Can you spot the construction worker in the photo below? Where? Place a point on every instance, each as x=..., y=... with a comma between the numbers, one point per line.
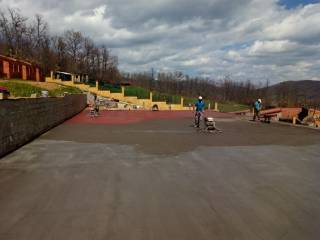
x=96, y=104
x=200, y=105
x=256, y=109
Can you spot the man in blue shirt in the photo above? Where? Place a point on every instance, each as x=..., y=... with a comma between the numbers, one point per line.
x=200, y=105
x=257, y=109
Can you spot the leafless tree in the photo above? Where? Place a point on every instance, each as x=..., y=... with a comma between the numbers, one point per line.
x=74, y=45
x=13, y=29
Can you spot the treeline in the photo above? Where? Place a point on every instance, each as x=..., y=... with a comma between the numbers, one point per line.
x=72, y=51
x=295, y=94
x=285, y=94
x=176, y=83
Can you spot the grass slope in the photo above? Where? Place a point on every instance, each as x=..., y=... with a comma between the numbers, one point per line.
x=19, y=88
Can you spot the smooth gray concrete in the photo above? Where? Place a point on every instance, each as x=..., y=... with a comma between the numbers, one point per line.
x=163, y=180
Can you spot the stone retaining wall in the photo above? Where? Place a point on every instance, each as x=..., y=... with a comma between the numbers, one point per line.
x=21, y=120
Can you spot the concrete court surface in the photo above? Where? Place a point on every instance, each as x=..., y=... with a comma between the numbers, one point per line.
x=155, y=177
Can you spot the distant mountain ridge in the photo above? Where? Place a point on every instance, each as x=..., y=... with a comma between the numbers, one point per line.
x=307, y=91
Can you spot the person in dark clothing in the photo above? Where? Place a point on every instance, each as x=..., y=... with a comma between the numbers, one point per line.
x=96, y=104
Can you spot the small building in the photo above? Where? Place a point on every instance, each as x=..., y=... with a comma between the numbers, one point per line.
x=65, y=76
x=15, y=68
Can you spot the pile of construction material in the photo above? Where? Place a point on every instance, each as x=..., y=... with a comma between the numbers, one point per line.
x=310, y=117
x=303, y=116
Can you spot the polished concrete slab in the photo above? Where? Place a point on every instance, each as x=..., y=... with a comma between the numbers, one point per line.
x=163, y=179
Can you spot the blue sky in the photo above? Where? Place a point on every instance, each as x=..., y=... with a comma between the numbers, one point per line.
x=294, y=3
x=243, y=39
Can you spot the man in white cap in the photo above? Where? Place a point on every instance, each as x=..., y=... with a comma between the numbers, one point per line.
x=200, y=105
x=257, y=109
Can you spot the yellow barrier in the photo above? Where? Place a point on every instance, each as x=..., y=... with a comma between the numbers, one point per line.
x=144, y=103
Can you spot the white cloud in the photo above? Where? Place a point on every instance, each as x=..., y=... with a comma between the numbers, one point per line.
x=247, y=39
x=272, y=47
x=301, y=24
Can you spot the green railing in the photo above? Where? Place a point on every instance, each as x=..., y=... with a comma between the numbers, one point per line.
x=91, y=83
x=138, y=92
x=113, y=88
x=170, y=99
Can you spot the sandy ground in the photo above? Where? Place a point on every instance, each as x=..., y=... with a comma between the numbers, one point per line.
x=163, y=179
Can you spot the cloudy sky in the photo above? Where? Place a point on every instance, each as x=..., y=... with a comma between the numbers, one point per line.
x=245, y=39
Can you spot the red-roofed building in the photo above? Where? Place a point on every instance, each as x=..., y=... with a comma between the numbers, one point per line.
x=16, y=68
